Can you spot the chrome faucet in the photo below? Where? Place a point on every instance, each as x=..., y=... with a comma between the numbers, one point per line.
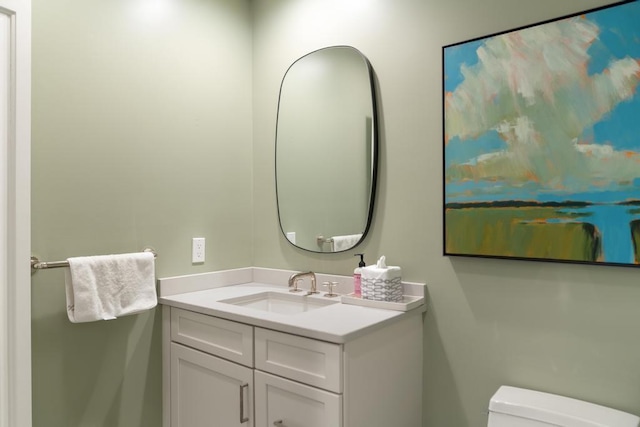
x=296, y=276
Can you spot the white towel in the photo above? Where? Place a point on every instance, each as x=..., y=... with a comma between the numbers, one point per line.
x=342, y=243
x=109, y=286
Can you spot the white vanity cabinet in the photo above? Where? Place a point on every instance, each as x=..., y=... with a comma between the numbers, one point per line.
x=223, y=374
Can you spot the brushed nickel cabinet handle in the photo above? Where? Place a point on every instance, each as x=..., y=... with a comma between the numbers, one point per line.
x=243, y=419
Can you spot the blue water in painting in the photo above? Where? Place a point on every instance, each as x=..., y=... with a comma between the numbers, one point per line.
x=613, y=222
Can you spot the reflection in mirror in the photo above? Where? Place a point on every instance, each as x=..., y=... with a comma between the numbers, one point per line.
x=326, y=150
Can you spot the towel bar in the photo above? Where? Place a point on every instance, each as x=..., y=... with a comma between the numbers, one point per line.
x=36, y=264
x=321, y=240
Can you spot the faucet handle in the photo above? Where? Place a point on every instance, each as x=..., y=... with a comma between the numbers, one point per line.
x=295, y=286
x=330, y=285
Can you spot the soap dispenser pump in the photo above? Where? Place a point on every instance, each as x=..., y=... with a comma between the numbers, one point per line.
x=357, y=276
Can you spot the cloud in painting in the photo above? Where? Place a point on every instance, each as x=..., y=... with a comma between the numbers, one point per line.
x=532, y=87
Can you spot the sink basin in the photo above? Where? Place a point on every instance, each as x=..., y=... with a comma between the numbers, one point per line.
x=278, y=302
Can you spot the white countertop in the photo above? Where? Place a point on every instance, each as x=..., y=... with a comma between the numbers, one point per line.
x=337, y=323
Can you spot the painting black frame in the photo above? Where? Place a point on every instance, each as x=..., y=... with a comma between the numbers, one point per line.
x=570, y=204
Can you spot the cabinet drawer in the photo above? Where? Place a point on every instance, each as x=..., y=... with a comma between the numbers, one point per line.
x=308, y=361
x=229, y=340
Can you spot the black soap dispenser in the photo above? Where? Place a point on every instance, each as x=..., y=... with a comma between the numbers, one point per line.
x=357, y=277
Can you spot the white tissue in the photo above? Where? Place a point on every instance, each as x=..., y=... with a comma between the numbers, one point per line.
x=381, y=271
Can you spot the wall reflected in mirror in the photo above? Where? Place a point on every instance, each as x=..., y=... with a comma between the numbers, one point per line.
x=326, y=150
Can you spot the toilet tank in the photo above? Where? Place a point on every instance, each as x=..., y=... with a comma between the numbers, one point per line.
x=517, y=407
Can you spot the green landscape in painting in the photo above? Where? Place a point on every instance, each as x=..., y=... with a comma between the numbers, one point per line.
x=520, y=232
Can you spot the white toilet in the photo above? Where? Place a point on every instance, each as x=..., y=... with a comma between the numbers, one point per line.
x=517, y=407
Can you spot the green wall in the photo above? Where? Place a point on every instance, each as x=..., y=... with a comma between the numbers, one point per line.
x=567, y=329
x=141, y=137
x=153, y=132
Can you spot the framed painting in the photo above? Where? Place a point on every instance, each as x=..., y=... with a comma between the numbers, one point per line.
x=542, y=140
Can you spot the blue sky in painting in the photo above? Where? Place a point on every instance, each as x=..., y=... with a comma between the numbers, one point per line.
x=619, y=37
x=454, y=58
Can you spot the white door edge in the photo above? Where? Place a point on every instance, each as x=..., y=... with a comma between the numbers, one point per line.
x=15, y=194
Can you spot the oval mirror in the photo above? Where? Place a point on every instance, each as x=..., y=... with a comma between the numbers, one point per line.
x=326, y=150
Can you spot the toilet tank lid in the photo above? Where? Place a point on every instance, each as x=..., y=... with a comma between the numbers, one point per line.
x=557, y=410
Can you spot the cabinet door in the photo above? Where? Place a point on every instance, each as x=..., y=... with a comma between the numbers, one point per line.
x=207, y=391
x=284, y=403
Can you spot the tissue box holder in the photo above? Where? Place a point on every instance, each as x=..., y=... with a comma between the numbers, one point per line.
x=382, y=290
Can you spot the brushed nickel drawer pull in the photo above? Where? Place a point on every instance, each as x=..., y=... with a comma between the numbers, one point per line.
x=243, y=419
